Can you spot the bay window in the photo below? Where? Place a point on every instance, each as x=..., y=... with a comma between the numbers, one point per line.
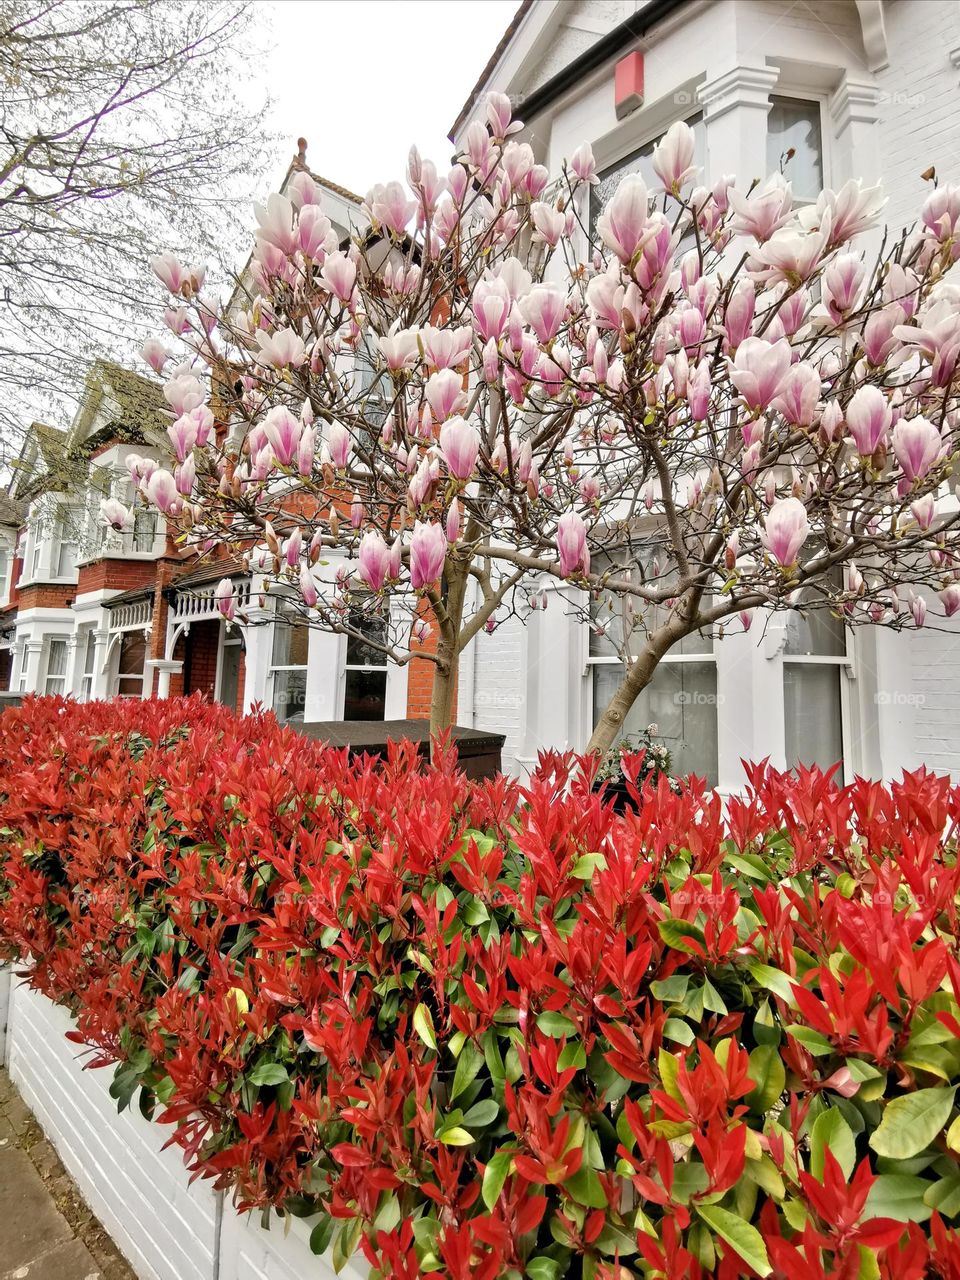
x=55, y=665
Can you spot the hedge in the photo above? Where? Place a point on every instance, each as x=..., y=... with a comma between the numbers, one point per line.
x=485, y=1030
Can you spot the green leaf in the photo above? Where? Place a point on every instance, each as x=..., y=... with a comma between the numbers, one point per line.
x=912, y=1122
x=543, y=1268
x=771, y=979
x=677, y=1029
x=743, y=1239
x=811, y=1040
x=346, y=1243
x=468, y=1067
x=586, y=1188
x=681, y=935
x=768, y=1075
x=423, y=1025
x=494, y=1176
x=584, y=867
x=944, y=1196
x=322, y=1234
x=556, y=1024
x=898, y=1196
x=482, y=1113
x=269, y=1073
x=830, y=1130
x=456, y=1137
x=573, y=1055
x=671, y=990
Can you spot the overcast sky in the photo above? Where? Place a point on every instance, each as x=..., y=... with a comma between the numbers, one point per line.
x=363, y=79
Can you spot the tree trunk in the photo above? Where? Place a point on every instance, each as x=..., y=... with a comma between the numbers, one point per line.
x=636, y=678
x=450, y=619
x=444, y=689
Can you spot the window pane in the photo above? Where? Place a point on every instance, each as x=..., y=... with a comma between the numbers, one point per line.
x=289, y=695
x=681, y=700
x=816, y=633
x=360, y=654
x=4, y=572
x=290, y=640
x=57, y=658
x=641, y=162
x=365, y=696
x=811, y=710
x=794, y=124
x=133, y=655
x=144, y=529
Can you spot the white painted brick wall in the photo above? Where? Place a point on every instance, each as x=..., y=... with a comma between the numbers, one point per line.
x=500, y=688
x=935, y=661
x=920, y=112
x=165, y=1227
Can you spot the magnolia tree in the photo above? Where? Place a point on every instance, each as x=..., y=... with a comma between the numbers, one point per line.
x=710, y=405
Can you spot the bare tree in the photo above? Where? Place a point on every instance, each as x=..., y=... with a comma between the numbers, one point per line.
x=120, y=119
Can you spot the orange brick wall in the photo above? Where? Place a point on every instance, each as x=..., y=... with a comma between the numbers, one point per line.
x=45, y=596
x=420, y=675
x=115, y=575
x=200, y=667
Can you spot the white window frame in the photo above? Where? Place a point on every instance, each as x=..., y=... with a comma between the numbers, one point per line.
x=87, y=656
x=366, y=667
x=6, y=573
x=116, y=675
x=847, y=674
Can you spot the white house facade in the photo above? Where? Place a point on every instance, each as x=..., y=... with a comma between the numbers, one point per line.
x=868, y=89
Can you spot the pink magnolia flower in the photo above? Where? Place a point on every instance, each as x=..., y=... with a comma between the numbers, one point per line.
x=428, y=551
x=292, y=548
x=673, y=156
x=917, y=444
x=389, y=206
x=583, y=165
x=283, y=431
x=879, y=333
x=500, y=116
x=445, y=393
x=543, y=309
x=115, y=515
x=491, y=308
x=785, y=530
x=308, y=586
x=941, y=212
x=183, y=436
x=799, y=395
x=764, y=212
x=183, y=393
x=338, y=442
x=155, y=354
x=357, y=511
x=918, y=607
x=789, y=257
x=548, y=222
x=950, y=598
x=452, y=525
x=572, y=544
x=868, y=418
x=170, y=271
x=842, y=285
x=185, y=476
x=699, y=388
x=738, y=315
x=306, y=451
x=924, y=510
x=276, y=223
x=758, y=370
x=845, y=213
x=459, y=444
x=314, y=231
x=339, y=274
x=447, y=348
x=225, y=599
x=282, y=349
x=374, y=559
x=622, y=225
x=400, y=347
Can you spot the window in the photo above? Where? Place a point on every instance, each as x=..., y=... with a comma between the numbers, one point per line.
x=814, y=656
x=231, y=656
x=793, y=125
x=63, y=553
x=641, y=161
x=22, y=668
x=55, y=678
x=144, y=529
x=288, y=668
x=681, y=699
x=365, y=693
x=87, y=650
x=4, y=574
x=130, y=664
x=36, y=549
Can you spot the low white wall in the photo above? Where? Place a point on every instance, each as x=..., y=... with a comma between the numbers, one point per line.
x=166, y=1228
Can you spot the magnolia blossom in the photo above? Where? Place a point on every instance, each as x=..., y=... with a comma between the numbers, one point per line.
x=572, y=544
x=673, y=156
x=459, y=444
x=623, y=222
x=916, y=444
x=225, y=599
x=338, y=442
x=115, y=515
x=785, y=530
x=162, y=491
x=428, y=551
x=283, y=349
x=543, y=309
x=283, y=431
x=799, y=395
x=759, y=369
x=868, y=418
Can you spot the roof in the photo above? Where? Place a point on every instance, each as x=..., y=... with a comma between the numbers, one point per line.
x=210, y=571
x=12, y=513
x=129, y=597
x=492, y=61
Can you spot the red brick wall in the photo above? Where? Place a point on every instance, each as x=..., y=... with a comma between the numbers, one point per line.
x=115, y=575
x=200, y=668
x=420, y=672
x=45, y=596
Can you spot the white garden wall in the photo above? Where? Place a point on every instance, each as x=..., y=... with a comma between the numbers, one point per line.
x=165, y=1227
